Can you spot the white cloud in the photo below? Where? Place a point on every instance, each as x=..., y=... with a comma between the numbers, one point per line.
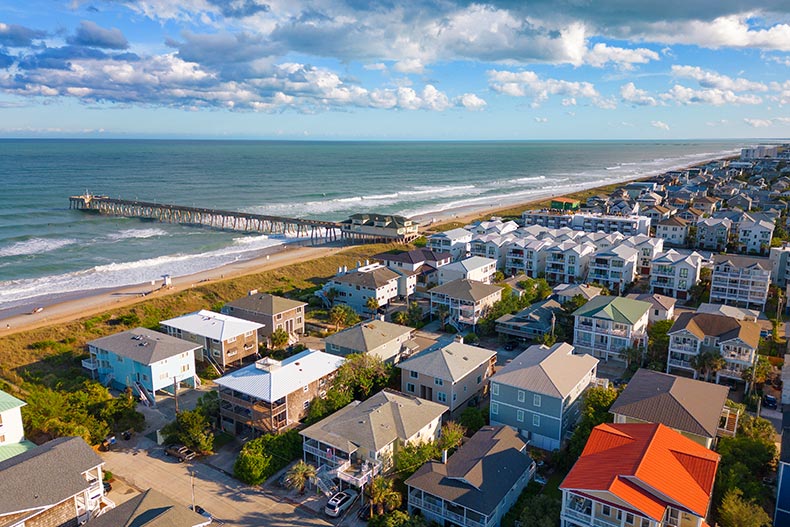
x=711, y=79
x=529, y=84
x=541, y=120
x=601, y=54
x=633, y=95
x=725, y=31
x=720, y=122
x=377, y=66
x=472, y=102
x=714, y=96
x=661, y=125
x=570, y=101
x=765, y=123
x=409, y=66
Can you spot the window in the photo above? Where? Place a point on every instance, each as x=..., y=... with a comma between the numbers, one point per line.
x=455, y=396
x=305, y=387
x=479, y=380
x=438, y=382
x=119, y=359
x=520, y=416
x=305, y=405
x=494, y=388
x=280, y=315
x=684, y=273
x=2, y=439
x=231, y=339
x=464, y=389
x=607, y=510
x=536, y=400
x=441, y=397
x=629, y=518
x=655, y=312
x=494, y=408
x=184, y=368
x=414, y=374
x=410, y=387
x=535, y=420
x=521, y=396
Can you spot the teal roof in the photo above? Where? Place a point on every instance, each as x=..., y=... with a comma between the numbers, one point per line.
x=9, y=402
x=614, y=308
x=14, y=449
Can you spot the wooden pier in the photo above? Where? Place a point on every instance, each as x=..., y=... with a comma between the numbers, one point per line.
x=318, y=231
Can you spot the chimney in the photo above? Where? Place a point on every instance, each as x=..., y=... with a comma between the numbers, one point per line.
x=444, y=456
x=459, y=339
x=252, y=292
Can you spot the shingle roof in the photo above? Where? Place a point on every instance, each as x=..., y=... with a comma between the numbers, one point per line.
x=281, y=377
x=27, y=482
x=369, y=335
x=149, y=509
x=674, y=221
x=212, y=325
x=415, y=256
x=615, y=308
x=373, y=279
x=553, y=371
x=144, y=346
x=742, y=262
x=659, y=301
x=627, y=460
x=9, y=402
x=480, y=473
x=265, y=303
x=376, y=422
x=468, y=290
x=677, y=402
x=452, y=362
x=469, y=264
x=538, y=313
x=571, y=290
x=725, y=328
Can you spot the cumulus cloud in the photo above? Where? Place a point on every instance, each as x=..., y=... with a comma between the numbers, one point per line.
x=714, y=96
x=530, y=84
x=541, y=120
x=91, y=35
x=13, y=35
x=711, y=79
x=240, y=8
x=470, y=101
x=633, y=95
x=661, y=125
x=601, y=54
x=765, y=123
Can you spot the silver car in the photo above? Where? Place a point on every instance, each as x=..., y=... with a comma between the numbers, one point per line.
x=340, y=502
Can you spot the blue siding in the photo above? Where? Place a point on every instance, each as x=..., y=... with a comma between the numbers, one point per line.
x=549, y=412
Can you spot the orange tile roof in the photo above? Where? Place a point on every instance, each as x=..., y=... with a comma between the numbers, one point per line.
x=628, y=459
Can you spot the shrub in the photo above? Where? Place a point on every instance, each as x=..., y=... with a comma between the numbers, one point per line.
x=260, y=458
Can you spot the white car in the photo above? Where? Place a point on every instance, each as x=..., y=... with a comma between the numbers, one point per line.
x=341, y=501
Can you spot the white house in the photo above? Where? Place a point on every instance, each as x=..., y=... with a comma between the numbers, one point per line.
x=493, y=246
x=12, y=434
x=754, y=236
x=780, y=270
x=474, y=268
x=674, y=274
x=356, y=286
x=673, y=230
x=527, y=256
x=454, y=241
x=648, y=248
x=567, y=262
x=614, y=268
x=466, y=301
x=607, y=325
x=663, y=307
x=713, y=233
x=740, y=281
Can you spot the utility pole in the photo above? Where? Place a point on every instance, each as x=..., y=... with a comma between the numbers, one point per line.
x=175, y=392
x=192, y=484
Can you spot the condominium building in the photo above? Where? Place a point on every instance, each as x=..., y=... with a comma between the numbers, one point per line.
x=474, y=268
x=780, y=270
x=648, y=248
x=607, y=325
x=740, y=281
x=455, y=241
x=567, y=262
x=674, y=274
x=527, y=256
x=628, y=225
x=713, y=233
x=754, y=235
x=614, y=268
x=491, y=246
x=673, y=231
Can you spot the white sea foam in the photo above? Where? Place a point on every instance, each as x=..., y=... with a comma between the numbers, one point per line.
x=34, y=246
x=127, y=234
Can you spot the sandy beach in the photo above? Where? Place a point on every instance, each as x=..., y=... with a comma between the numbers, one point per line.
x=88, y=303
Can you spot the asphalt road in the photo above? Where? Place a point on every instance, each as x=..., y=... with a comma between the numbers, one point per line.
x=143, y=465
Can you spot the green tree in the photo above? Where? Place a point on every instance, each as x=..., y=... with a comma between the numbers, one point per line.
x=361, y=375
x=499, y=276
x=452, y=435
x=252, y=467
x=401, y=317
x=382, y=495
x=279, y=339
x=372, y=305
x=415, y=314
x=542, y=510
x=337, y=316
x=471, y=338
x=331, y=295
x=299, y=475
x=735, y=511
x=634, y=355
x=191, y=428
x=472, y=419
x=758, y=373
x=707, y=363
x=658, y=344
x=442, y=312
x=411, y=457
x=595, y=411
x=574, y=303
x=756, y=428
x=397, y=518
x=208, y=403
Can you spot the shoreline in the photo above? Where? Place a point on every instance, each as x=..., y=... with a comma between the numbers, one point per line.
x=69, y=306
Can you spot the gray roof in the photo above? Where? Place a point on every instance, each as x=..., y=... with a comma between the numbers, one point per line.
x=415, y=256
x=452, y=362
x=571, y=290
x=741, y=262
x=677, y=402
x=480, y=473
x=45, y=476
x=539, y=314
x=369, y=335
x=373, y=279
x=145, y=346
x=376, y=422
x=265, y=304
x=659, y=301
x=469, y=290
x=149, y=509
x=553, y=371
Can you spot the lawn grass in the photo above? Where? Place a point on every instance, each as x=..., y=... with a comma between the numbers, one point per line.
x=48, y=355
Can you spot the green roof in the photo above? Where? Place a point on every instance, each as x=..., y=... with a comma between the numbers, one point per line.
x=14, y=449
x=615, y=308
x=8, y=402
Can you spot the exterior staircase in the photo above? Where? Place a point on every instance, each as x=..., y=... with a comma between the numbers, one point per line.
x=146, y=397
x=214, y=364
x=108, y=380
x=323, y=480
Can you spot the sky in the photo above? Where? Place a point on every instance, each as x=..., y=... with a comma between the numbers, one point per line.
x=419, y=69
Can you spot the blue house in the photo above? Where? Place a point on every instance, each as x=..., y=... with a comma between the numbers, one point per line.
x=144, y=360
x=539, y=392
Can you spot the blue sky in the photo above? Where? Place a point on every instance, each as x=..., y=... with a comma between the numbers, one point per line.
x=423, y=69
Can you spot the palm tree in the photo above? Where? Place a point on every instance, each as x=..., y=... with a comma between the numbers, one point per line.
x=372, y=304
x=337, y=316
x=443, y=312
x=330, y=295
x=298, y=476
x=707, y=363
x=382, y=495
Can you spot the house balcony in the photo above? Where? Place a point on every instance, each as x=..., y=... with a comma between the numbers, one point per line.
x=679, y=363
x=90, y=364
x=439, y=510
x=739, y=358
x=360, y=473
x=588, y=519
x=661, y=281
x=683, y=348
x=731, y=373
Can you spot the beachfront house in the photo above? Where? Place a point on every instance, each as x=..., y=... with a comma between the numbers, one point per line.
x=532, y=322
x=674, y=274
x=607, y=325
x=567, y=262
x=476, y=485
x=383, y=227
x=663, y=307
x=223, y=340
x=694, y=409
x=713, y=233
x=614, y=268
x=270, y=395
x=358, y=442
x=740, y=281
x=145, y=361
x=754, y=235
x=641, y=475
x=693, y=334
x=539, y=393
x=673, y=231
x=384, y=340
x=493, y=226
x=273, y=312
x=463, y=302
x=588, y=222
x=450, y=374
x=356, y=286
x=12, y=433
x=455, y=241
x=56, y=484
x=474, y=268
x=422, y=263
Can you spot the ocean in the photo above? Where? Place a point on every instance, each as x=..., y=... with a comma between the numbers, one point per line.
x=48, y=250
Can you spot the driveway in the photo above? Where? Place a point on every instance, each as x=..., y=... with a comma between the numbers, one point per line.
x=141, y=464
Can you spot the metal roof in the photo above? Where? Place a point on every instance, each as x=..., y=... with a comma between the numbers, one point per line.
x=9, y=402
x=212, y=325
x=614, y=308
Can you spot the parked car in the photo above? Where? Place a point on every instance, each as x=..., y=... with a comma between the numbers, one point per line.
x=107, y=487
x=769, y=401
x=180, y=452
x=203, y=512
x=340, y=502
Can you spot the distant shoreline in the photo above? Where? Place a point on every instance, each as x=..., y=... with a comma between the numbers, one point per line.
x=69, y=306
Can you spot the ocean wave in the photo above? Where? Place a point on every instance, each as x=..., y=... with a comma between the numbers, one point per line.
x=136, y=233
x=34, y=246
x=527, y=179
